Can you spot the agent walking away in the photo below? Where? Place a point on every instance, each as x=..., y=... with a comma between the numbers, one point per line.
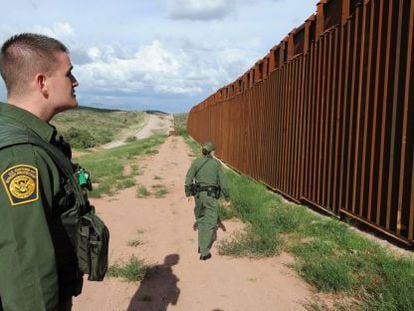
x=205, y=181
x=41, y=203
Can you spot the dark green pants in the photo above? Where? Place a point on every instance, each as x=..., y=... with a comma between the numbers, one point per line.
x=206, y=214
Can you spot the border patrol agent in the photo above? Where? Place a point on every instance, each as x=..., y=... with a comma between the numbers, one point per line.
x=38, y=264
x=205, y=180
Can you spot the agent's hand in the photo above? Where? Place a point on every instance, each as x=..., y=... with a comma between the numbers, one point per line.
x=226, y=204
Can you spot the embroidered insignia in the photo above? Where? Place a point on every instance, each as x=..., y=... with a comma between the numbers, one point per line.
x=21, y=183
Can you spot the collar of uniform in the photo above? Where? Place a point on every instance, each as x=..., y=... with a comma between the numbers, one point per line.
x=28, y=120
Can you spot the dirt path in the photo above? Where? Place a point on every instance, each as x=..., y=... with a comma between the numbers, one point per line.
x=154, y=124
x=180, y=281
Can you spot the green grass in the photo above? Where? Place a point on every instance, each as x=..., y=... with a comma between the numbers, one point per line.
x=160, y=191
x=180, y=121
x=89, y=127
x=249, y=244
x=107, y=166
x=130, y=139
x=142, y=192
x=135, y=169
x=125, y=183
x=132, y=271
x=329, y=254
x=226, y=213
x=252, y=202
x=134, y=243
x=151, y=151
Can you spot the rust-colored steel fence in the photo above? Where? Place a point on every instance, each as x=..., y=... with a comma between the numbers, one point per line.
x=326, y=117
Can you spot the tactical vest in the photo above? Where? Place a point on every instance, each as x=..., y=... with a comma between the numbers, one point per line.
x=87, y=232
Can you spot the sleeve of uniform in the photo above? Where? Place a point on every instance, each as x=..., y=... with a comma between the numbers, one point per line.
x=189, y=179
x=224, y=186
x=28, y=277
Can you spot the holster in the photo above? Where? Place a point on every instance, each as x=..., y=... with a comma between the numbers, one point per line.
x=212, y=191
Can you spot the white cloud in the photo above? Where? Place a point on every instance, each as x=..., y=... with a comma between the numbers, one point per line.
x=94, y=53
x=156, y=58
x=59, y=30
x=161, y=69
x=64, y=29
x=199, y=9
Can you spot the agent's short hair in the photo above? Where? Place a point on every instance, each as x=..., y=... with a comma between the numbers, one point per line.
x=24, y=55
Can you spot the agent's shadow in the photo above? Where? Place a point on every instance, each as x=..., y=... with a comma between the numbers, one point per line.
x=158, y=289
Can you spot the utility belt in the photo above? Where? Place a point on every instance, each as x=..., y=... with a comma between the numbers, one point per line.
x=212, y=191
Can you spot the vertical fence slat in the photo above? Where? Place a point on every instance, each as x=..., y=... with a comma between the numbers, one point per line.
x=407, y=131
x=368, y=102
x=332, y=123
x=382, y=160
x=331, y=120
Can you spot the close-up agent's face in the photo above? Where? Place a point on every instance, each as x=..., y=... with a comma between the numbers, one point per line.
x=62, y=84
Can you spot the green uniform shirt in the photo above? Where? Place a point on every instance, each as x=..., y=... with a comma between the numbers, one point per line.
x=38, y=265
x=207, y=171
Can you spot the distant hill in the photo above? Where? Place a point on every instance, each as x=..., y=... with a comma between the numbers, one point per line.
x=88, y=127
x=97, y=109
x=155, y=112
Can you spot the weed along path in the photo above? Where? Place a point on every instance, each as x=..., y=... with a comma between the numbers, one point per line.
x=153, y=222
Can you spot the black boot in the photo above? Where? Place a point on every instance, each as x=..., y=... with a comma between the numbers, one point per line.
x=206, y=257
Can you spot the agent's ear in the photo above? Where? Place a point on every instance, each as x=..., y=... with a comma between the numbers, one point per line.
x=42, y=85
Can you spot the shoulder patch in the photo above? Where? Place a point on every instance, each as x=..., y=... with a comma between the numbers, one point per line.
x=21, y=183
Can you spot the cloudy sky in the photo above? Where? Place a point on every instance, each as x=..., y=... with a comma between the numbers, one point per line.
x=162, y=54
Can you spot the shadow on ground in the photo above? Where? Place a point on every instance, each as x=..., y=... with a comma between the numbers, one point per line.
x=159, y=287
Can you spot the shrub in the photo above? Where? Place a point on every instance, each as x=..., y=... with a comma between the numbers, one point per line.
x=133, y=271
x=80, y=139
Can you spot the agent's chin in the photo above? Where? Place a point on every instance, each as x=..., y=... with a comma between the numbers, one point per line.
x=74, y=103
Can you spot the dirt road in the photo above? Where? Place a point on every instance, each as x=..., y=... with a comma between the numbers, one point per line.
x=154, y=124
x=179, y=280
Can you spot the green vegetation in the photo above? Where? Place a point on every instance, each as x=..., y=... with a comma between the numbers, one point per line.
x=107, y=166
x=131, y=139
x=160, y=191
x=134, y=243
x=151, y=152
x=125, y=183
x=89, y=127
x=180, y=121
x=329, y=254
x=226, y=213
x=133, y=271
x=135, y=169
x=251, y=201
x=83, y=139
x=194, y=146
x=142, y=192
